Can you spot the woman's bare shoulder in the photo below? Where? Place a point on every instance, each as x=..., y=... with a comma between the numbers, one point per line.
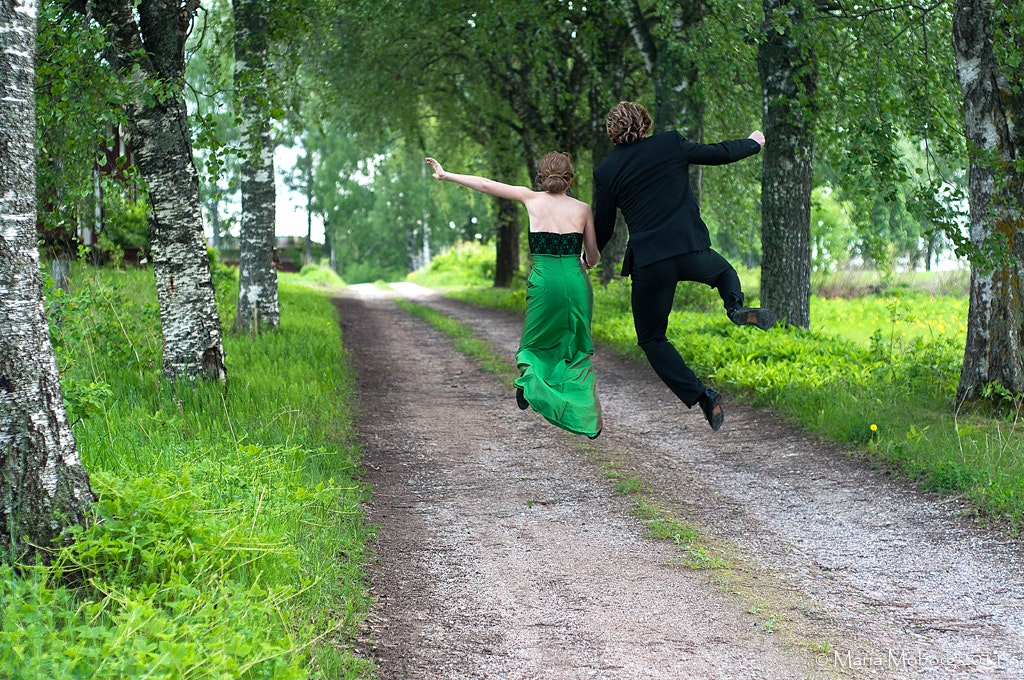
x=581, y=206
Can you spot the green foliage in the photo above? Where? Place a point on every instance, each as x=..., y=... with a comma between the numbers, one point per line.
x=175, y=585
x=832, y=231
x=228, y=539
x=898, y=315
x=77, y=108
x=125, y=220
x=613, y=299
x=469, y=263
x=382, y=210
x=224, y=279
x=320, y=275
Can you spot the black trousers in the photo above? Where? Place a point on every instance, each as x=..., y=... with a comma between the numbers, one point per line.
x=654, y=288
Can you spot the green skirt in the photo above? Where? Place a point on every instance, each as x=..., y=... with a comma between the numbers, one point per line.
x=555, y=372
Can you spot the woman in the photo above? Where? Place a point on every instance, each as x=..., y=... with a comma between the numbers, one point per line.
x=555, y=374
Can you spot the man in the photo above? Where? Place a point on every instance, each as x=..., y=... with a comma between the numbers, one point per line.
x=648, y=179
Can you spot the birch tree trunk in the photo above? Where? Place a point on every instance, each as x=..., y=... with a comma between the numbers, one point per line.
x=257, y=308
x=152, y=48
x=43, y=487
x=994, y=126
x=788, y=73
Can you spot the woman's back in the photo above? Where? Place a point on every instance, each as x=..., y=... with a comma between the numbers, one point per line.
x=557, y=213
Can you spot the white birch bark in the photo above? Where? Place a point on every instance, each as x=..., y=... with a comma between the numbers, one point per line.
x=257, y=308
x=150, y=45
x=993, y=124
x=43, y=486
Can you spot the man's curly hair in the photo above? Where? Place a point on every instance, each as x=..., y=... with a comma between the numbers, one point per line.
x=628, y=122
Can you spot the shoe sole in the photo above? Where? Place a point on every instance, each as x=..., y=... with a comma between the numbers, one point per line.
x=762, y=318
x=715, y=420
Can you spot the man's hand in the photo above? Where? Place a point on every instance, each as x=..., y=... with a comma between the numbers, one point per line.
x=758, y=137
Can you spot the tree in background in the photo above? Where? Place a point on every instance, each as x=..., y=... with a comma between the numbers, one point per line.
x=788, y=65
x=257, y=307
x=988, y=40
x=150, y=46
x=43, y=487
x=517, y=80
x=888, y=145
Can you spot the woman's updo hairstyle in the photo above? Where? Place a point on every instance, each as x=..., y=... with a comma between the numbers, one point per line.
x=555, y=172
x=628, y=122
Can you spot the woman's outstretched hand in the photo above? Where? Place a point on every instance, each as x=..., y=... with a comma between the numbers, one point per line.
x=758, y=137
x=439, y=172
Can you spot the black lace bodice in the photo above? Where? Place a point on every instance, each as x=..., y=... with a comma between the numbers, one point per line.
x=550, y=243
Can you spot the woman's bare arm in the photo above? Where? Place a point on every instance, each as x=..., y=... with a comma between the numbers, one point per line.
x=591, y=255
x=481, y=184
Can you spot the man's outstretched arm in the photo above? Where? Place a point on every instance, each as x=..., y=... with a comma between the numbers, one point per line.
x=723, y=152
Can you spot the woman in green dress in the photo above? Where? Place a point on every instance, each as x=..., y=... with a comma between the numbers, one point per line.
x=556, y=378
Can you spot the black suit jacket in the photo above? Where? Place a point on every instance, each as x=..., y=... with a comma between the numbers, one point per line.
x=649, y=181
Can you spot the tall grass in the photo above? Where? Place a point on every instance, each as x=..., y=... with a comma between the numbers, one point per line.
x=228, y=538
x=877, y=373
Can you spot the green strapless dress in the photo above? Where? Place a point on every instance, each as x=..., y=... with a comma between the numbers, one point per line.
x=555, y=372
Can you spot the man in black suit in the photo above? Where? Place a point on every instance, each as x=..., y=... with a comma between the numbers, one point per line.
x=648, y=179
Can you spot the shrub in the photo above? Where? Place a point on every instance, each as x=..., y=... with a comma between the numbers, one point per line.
x=469, y=263
x=320, y=274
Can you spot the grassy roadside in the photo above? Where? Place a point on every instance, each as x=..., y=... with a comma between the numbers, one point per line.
x=877, y=374
x=229, y=539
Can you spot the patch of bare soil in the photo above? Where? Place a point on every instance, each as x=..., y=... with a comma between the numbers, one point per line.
x=505, y=552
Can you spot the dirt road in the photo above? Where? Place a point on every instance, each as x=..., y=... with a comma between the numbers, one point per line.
x=505, y=550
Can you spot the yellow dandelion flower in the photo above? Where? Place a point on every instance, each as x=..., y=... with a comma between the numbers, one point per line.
x=874, y=428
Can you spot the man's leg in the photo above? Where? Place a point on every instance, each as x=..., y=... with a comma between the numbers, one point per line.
x=652, y=294
x=710, y=268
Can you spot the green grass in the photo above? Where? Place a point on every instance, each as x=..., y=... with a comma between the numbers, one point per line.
x=896, y=316
x=468, y=263
x=660, y=523
x=229, y=539
x=888, y=359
